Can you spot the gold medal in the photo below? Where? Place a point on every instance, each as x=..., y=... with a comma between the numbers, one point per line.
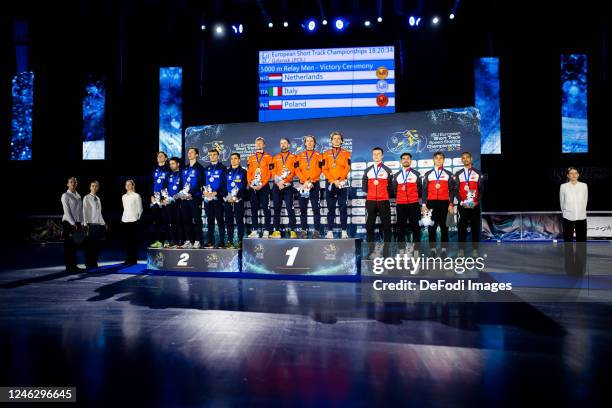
x=437, y=185
x=375, y=182
x=334, y=164
x=467, y=187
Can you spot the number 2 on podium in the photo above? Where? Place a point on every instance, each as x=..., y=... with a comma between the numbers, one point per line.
x=292, y=253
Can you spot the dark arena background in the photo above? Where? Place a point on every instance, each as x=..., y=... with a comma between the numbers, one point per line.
x=94, y=89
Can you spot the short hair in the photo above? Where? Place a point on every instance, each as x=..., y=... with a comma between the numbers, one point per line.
x=164, y=153
x=406, y=154
x=70, y=178
x=334, y=133
x=468, y=153
x=94, y=182
x=439, y=153
x=213, y=150
x=378, y=148
x=260, y=138
x=235, y=154
x=176, y=160
x=311, y=136
x=567, y=172
x=195, y=149
x=288, y=141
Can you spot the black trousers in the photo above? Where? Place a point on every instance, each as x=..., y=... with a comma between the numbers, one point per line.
x=337, y=197
x=131, y=236
x=315, y=195
x=471, y=217
x=408, y=217
x=278, y=197
x=578, y=226
x=93, y=243
x=382, y=209
x=438, y=216
x=159, y=224
x=234, y=212
x=70, y=248
x=191, y=218
x=214, y=212
x=175, y=226
x=261, y=200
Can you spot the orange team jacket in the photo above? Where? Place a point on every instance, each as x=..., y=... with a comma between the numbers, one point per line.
x=343, y=164
x=265, y=164
x=308, y=172
x=290, y=160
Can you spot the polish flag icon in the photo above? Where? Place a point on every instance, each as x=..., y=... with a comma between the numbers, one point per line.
x=275, y=105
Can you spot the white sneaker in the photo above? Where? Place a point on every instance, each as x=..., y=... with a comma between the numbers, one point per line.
x=254, y=234
x=196, y=245
x=265, y=234
x=344, y=234
x=329, y=235
x=186, y=245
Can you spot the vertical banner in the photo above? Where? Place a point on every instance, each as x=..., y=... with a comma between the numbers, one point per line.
x=171, y=110
x=21, y=119
x=94, y=130
x=574, y=117
x=486, y=84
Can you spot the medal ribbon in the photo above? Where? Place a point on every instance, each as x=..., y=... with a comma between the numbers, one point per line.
x=335, y=156
x=438, y=175
x=467, y=178
x=308, y=159
x=376, y=170
x=259, y=158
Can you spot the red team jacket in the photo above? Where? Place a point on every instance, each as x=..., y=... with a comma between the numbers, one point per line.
x=382, y=190
x=408, y=186
x=474, y=183
x=446, y=179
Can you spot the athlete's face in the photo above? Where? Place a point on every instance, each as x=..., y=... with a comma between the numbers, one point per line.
x=174, y=166
x=406, y=160
x=129, y=186
x=284, y=145
x=336, y=140
x=161, y=159
x=309, y=143
x=377, y=156
x=192, y=155
x=235, y=161
x=93, y=188
x=466, y=159
x=213, y=156
x=72, y=183
x=438, y=160
x=573, y=175
x=259, y=144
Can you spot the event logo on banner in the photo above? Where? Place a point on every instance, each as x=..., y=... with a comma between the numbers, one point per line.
x=451, y=131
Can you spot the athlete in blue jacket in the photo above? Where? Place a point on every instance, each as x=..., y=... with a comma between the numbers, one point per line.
x=234, y=200
x=191, y=200
x=214, y=191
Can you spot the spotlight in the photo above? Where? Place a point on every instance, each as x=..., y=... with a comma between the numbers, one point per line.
x=366, y=23
x=418, y=21
x=340, y=24
x=203, y=27
x=411, y=21
x=324, y=22
x=311, y=25
x=452, y=16
x=285, y=24
x=235, y=29
x=240, y=29
x=435, y=20
x=270, y=25
x=219, y=31
x=379, y=19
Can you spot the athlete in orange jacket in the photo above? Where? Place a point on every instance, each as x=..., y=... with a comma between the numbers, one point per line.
x=282, y=189
x=259, y=172
x=308, y=170
x=336, y=168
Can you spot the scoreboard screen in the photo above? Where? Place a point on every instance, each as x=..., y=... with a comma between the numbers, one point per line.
x=326, y=82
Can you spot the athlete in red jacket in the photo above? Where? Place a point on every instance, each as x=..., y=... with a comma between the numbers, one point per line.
x=469, y=192
x=439, y=192
x=408, y=186
x=377, y=183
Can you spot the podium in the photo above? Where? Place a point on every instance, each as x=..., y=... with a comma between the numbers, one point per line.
x=301, y=257
x=193, y=260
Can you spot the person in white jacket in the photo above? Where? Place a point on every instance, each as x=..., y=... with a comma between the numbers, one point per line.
x=71, y=224
x=573, y=197
x=94, y=224
x=132, y=210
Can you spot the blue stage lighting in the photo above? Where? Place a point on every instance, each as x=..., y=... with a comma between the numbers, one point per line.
x=340, y=24
x=412, y=21
x=311, y=25
x=435, y=20
x=366, y=23
x=324, y=22
x=452, y=16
